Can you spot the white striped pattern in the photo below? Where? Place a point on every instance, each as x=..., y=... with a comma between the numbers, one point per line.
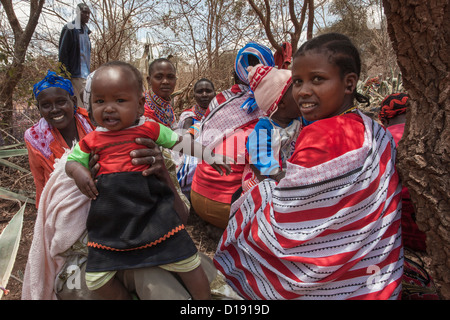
x=333, y=237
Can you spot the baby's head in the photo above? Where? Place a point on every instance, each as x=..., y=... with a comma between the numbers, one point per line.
x=325, y=73
x=272, y=89
x=117, y=99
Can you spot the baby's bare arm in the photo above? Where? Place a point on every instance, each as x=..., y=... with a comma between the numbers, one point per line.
x=83, y=179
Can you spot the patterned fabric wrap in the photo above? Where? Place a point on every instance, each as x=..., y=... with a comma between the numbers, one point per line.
x=264, y=55
x=52, y=80
x=393, y=105
x=225, y=115
x=327, y=232
x=269, y=86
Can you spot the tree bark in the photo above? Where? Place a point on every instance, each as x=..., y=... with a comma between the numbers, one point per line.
x=419, y=32
x=13, y=74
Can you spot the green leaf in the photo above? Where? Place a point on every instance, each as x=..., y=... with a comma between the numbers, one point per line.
x=6, y=163
x=12, y=146
x=9, y=195
x=9, y=244
x=13, y=153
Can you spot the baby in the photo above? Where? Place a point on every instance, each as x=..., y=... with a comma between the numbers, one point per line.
x=131, y=222
x=272, y=141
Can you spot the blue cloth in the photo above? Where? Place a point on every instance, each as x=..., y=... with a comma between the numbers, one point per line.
x=85, y=54
x=52, y=80
x=265, y=57
x=259, y=147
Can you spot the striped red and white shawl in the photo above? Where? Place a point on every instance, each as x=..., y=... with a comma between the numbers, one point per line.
x=331, y=231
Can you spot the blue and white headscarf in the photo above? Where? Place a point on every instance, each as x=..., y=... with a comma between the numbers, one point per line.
x=52, y=80
x=265, y=57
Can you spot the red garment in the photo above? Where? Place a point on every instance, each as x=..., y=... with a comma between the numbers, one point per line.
x=412, y=236
x=323, y=140
x=205, y=177
x=283, y=58
x=45, y=144
x=114, y=147
x=224, y=113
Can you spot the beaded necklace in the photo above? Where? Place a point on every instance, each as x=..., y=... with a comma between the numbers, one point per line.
x=348, y=110
x=162, y=108
x=199, y=112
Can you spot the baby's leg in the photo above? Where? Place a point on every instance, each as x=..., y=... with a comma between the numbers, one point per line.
x=197, y=283
x=114, y=290
x=107, y=285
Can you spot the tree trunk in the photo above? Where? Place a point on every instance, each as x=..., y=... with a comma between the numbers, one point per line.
x=22, y=38
x=419, y=33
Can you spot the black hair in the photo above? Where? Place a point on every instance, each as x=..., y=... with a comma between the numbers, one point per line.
x=130, y=67
x=204, y=80
x=342, y=52
x=159, y=60
x=82, y=6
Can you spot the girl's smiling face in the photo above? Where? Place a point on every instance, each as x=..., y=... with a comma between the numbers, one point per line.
x=319, y=88
x=117, y=101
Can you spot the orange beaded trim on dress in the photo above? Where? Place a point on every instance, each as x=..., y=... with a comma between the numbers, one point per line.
x=151, y=244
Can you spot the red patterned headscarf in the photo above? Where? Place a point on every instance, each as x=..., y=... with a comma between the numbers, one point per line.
x=393, y=105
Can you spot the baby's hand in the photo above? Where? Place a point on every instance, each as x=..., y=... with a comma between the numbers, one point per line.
x=85, y=183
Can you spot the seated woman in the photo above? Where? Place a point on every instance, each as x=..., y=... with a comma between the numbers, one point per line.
x=331, y=228
x=204, y=92
x=189, y=121
x=62, y=124
x=230, y=118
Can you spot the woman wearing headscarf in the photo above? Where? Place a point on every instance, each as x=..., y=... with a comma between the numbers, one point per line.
x=61, y=124
x=230, y=118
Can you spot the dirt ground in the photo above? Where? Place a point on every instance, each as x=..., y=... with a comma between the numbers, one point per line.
x=204, y=235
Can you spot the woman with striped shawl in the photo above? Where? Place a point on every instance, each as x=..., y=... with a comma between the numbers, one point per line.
x=331, y=228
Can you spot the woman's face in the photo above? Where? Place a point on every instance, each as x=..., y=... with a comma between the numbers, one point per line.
x=204, y=93
x=56, y=106
x=162, y=79
x=318, y=87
